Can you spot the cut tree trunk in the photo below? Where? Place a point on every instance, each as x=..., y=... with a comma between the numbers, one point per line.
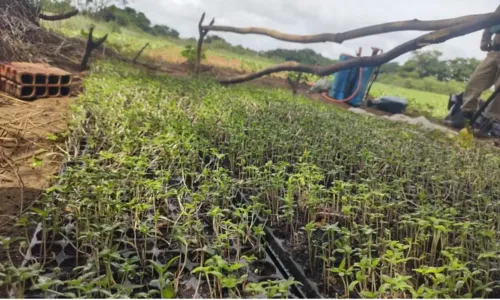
x=91, y=46
x=294, y=84
x=202, y=34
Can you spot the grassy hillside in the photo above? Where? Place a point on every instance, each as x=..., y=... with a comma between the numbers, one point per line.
x=129, y=40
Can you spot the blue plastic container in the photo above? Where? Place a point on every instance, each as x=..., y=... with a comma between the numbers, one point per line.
x=340, y=80
x=350, y=76
x=365, y=80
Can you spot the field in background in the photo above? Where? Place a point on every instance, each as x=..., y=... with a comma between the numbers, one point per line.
x=130, y=40
x=423, y=103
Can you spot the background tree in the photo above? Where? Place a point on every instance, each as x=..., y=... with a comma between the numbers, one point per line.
x=305, y=56
x=461, y=69
x=390, y=68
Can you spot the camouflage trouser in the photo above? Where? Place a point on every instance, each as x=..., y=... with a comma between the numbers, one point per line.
x=485, y=75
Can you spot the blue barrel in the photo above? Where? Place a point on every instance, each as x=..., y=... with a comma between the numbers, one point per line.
x=350, y=77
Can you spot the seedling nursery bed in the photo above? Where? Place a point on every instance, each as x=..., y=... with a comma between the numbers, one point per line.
x=263, y=262
x=61, y=255
x=190, y=189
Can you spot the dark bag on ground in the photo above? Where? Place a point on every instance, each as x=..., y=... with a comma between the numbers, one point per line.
x=393, y=105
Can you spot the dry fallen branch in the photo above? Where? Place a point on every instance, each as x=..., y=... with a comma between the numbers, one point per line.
x=91, y=46
x=435, y=37
x=140, y=52
x=59, y=17
x=353, y=34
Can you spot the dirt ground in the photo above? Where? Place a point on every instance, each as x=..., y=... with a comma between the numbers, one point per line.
x=29, y=153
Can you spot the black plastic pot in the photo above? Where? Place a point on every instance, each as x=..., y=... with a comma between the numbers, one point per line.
x=284, y=262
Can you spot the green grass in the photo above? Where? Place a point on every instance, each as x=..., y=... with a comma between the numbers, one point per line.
x=124, y=39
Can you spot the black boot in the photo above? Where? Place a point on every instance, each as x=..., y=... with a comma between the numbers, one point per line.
x=456, y=117
x=482, y=127
x=459, y=119
x=454, y=99
x=495, y=130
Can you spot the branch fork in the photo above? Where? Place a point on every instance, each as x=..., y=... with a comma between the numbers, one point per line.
x=203, y=31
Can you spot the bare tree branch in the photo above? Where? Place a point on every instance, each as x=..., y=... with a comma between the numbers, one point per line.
x=91, y=45
x=353, y=34
x=199, y=48
x=139, y=53
x=294, y=84
x=59, y=17
x=435, y=37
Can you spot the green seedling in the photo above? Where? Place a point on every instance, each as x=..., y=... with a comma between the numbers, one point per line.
x=165, y=278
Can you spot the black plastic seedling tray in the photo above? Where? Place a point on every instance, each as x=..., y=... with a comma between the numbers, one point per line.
x=275, y=265
x=284, y=262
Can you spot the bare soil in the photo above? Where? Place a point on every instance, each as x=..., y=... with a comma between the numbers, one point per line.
x=28, y=159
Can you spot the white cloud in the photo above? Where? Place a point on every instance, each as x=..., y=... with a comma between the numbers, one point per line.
x=317, y=16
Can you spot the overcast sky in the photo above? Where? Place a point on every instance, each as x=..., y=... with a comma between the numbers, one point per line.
x=318, y=16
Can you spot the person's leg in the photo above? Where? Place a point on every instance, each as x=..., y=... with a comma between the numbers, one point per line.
x=492, y=112
x=483, y=78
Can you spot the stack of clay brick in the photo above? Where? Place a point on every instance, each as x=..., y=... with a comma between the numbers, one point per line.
x=31, y=81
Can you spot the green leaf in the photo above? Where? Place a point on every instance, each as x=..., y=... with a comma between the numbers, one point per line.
x=170, y=262
x=199, y=269
x=459, y=285
x=491, y=254
x=51, y=137
x=368, y=294
x=352, y=286
x=37, y=162
x=384, y=287
x=168, y=291
x=41, y=212
x=342, y=264
x=216, y=274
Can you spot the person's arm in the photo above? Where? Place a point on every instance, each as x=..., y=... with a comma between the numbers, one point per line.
x=487, y=35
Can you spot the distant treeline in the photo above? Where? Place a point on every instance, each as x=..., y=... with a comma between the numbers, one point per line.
x=304, y=56
x=101, y=10
x=128, y=16
x=424, y=64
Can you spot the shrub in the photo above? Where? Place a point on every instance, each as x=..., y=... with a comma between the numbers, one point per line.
x=189, y=53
